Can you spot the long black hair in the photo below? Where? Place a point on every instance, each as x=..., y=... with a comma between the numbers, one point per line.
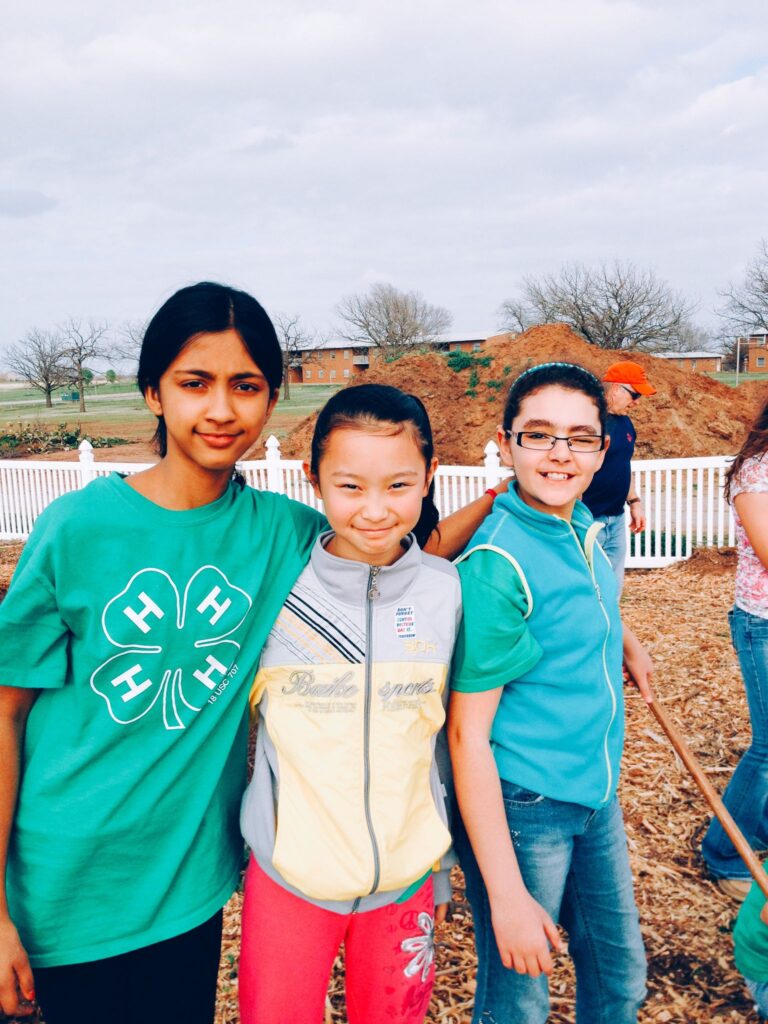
x=570, y=376
x=206, y=308
x=380, y=407
x=756, y=445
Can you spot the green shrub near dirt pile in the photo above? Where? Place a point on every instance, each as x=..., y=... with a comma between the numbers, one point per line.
x=33, y=439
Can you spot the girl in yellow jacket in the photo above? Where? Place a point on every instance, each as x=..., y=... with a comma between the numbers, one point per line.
x=346, y=812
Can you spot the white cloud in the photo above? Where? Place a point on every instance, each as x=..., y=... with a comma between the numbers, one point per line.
x=303, y=149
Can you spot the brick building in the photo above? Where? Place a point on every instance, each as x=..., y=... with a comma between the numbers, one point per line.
x=336, y=363
x=756, y=355
x=696, y=362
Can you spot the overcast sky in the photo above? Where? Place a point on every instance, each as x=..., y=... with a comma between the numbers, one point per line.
x=305, y=150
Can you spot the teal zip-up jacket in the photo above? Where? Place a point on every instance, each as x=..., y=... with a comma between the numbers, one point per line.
x=541, y=619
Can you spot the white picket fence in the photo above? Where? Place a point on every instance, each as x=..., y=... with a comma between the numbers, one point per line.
x=683, y=498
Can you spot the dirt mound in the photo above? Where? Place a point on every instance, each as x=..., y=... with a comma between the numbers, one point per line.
x=690, y=415
x=707, y=562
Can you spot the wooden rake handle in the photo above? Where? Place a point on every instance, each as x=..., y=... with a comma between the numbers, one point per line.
x=712, y=797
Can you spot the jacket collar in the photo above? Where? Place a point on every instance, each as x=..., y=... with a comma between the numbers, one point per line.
x=581, y=519
x=347, y=581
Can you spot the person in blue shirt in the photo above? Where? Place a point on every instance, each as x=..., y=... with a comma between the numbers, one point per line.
x=625, y=384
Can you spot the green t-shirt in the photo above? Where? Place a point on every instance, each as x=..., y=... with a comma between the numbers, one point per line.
x=750, y=936
x=494, y=645
x=142, y=627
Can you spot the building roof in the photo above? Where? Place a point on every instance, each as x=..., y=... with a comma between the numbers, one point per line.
x=445, y=339
x=699, y=354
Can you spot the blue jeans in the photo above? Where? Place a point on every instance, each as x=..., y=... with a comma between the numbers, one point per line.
x=613, y=541
x=746, y=795
x=759, y=992
x=574, y=863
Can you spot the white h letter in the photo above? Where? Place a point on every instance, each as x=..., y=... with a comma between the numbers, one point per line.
x=150, y=608
x=213, y=666
x=211, y=602
x=129, y=678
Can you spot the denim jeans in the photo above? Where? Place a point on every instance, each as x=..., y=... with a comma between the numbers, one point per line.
x=746, y=795
x=613, y=540
x=759, y=992
x=574, y=863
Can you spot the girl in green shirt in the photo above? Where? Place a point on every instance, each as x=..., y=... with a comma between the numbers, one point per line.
x=131, y=633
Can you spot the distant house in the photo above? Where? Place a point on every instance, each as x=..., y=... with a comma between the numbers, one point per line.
x=696, y=362
x=333, y=363
x=337, y=362
x=754, y=349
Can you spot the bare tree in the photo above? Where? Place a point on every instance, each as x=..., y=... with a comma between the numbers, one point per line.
x=693, y=338
x=745, y=309
x=517, y=318
x=39, y=359
x=297, y=342
x=126, y=345
x=83, y=340
x=389, y=319
x=615, y=306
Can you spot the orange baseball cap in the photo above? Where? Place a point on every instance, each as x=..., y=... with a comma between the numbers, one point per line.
x=629, y=373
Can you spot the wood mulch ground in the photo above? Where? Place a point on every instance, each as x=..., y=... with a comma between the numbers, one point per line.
x=680, y=613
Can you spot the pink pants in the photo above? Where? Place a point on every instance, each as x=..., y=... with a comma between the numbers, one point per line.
x=289, y=945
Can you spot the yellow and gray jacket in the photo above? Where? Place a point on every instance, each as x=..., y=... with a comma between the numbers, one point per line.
x=347, y=806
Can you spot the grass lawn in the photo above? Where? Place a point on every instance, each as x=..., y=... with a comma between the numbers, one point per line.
x=730, y=377
x=304, y=400
x=118, y=410
x=22, y=394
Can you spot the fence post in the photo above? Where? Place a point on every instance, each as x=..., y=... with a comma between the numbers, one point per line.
x=86, y=462
x=274, y=474
x=492, y=464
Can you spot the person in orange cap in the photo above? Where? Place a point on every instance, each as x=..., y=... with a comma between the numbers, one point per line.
x=611, y=489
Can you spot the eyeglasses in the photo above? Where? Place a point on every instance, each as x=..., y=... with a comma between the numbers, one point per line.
x=536, y=441
x=634, y=395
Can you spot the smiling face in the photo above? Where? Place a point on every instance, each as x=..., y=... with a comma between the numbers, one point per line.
x=215, y=402
x=551, y=481
x=372, y=484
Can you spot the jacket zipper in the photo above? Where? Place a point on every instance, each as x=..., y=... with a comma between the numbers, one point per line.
x=611, y=690
x=372, y=594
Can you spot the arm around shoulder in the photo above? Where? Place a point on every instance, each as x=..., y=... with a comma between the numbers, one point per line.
x=454, y=532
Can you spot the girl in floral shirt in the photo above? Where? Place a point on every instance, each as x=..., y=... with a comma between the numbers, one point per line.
x=747, y=794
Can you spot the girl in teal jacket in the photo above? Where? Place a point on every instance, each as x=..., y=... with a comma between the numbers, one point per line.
x=536, y=727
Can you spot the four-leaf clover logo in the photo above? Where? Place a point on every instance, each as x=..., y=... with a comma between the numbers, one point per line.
x=175, y=648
